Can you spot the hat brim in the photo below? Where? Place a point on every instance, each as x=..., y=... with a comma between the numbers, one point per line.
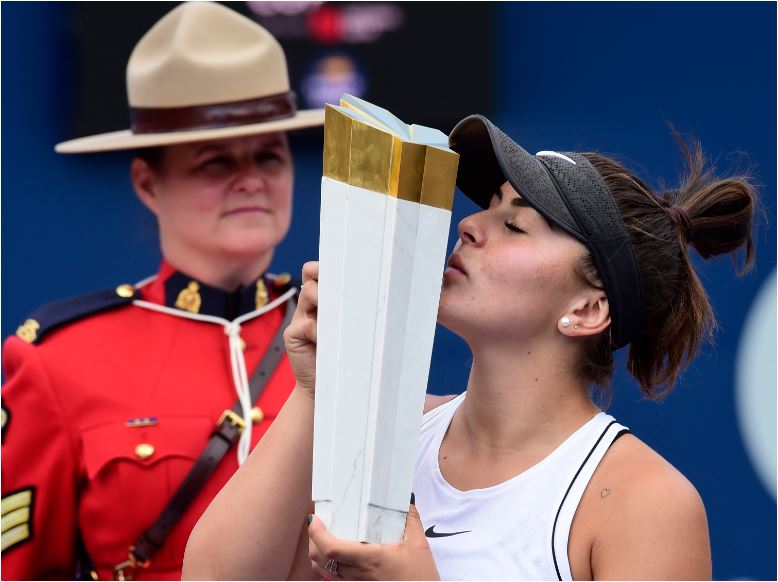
x=489, y=158
x=127, y=140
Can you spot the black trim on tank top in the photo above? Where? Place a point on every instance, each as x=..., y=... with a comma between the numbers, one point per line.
x=620, y=434
x=558, y=511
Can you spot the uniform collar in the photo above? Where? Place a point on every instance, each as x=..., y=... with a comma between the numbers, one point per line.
x=178, y=290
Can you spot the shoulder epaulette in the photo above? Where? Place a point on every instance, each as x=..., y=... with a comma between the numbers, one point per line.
x=56, y=314
x=283, y=282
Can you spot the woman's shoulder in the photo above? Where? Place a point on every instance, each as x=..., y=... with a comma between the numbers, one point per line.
x=642, y=473
x=638, y=505
x=432, y=401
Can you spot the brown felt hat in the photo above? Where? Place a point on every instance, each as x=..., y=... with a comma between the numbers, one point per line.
x=203, y=72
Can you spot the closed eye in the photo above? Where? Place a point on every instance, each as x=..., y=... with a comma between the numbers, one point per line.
x=513, y=227
x=216, y=161
x=268, y=157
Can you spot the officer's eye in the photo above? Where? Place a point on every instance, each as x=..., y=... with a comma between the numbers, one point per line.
x=268, y=157
x=216, y=162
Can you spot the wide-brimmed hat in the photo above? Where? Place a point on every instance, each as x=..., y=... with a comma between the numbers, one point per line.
x=570, y=193
x=203, y=72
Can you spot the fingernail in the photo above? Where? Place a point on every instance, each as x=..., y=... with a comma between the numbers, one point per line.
x=309, y=519
x=413, y=498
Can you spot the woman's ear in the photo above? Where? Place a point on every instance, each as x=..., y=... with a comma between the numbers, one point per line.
x=589, y=316
x=144, y=179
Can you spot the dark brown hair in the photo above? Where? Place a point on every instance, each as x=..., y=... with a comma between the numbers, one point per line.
x=712, y=215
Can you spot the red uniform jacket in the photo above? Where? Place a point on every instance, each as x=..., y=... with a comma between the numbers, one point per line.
x=71, y=464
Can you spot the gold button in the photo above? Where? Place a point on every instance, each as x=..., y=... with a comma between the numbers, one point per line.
x=144, y=450
x=257, y=415
x=243, y=344
x=125, y=291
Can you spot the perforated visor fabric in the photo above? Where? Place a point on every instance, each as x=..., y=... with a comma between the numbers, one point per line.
x=572, y=196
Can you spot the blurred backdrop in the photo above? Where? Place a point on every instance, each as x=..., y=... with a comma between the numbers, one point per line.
x=564, y=76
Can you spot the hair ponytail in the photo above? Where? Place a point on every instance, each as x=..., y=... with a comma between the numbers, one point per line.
x=713, y=216
x=720, y=210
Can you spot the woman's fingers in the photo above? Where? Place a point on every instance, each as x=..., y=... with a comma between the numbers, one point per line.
x=335, y=559
x=325, y=547
x=414, y=530
x=309, y=296
x=310, y=271
x=339, y=572
x=300, y=335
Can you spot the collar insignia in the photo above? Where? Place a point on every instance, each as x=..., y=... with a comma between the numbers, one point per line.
x=189, y=299
x=261, y=298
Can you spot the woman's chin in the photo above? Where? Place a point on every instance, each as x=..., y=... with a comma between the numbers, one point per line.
x=248, y=247
x=449, y=318
x=250, y=241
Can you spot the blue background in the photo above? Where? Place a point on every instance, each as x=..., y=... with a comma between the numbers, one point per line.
x=602, y=76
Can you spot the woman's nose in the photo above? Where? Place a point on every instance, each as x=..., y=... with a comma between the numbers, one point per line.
x=250, y=179
x=471, y=232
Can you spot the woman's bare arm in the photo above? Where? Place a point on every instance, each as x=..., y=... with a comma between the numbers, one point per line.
x=253, y=527
x=652, y=524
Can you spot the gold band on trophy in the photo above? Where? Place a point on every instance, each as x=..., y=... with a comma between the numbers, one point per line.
x=363, y=155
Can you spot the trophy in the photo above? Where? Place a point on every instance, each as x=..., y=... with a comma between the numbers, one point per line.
x=386, y=198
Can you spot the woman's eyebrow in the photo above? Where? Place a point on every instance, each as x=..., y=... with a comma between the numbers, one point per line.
x=275, y=143
x=519, y=202
x=208, y=148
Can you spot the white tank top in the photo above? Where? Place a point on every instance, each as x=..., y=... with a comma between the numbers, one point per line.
x=517, y=530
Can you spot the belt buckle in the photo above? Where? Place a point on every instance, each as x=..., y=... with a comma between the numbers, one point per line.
x=126, y=570
x=233, y=418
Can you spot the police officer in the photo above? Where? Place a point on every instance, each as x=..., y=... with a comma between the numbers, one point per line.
x=125, y=411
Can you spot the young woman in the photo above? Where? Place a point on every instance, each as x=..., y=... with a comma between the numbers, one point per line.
x=522, y=476
x=113, y=400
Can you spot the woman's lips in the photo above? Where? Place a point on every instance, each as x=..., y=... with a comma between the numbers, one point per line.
x=246, y=209
x=455, y=264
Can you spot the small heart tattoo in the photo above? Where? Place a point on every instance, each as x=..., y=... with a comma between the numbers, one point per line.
x=604, y=493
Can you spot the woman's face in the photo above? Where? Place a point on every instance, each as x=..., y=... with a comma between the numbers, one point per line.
x=230, y=198
x=511, y=275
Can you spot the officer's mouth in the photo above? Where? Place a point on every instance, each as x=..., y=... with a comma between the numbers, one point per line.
x=247, y=210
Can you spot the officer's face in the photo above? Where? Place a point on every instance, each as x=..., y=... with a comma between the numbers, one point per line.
x=230, y=199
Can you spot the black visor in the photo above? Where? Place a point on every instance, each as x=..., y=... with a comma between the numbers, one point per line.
x=569, y=192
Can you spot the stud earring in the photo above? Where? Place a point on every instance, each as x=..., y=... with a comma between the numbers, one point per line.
x=565, y=321
x=575, y=326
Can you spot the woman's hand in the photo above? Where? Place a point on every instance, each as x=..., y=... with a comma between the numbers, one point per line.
x=410, y=559
x=300, y=336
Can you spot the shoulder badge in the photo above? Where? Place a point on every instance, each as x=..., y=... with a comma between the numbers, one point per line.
x=54, y=315
x=17, y=512
x=28, y=331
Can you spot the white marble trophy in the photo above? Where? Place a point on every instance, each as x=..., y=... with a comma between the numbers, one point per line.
x=386, y=199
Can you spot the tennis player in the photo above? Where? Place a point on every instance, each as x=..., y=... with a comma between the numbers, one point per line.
x=522, y=476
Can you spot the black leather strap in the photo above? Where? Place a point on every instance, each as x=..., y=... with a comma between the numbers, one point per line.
x=224, y=435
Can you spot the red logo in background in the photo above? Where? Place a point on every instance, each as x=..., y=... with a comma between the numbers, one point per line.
x=326, y=24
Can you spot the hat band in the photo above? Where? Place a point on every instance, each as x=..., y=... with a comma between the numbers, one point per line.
x=249, y=111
